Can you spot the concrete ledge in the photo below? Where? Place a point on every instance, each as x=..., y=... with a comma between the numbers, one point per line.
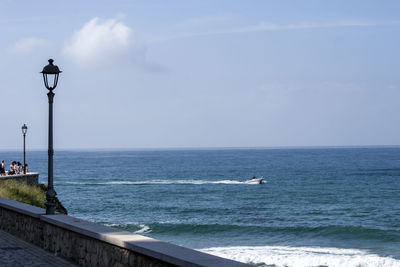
x=91, y=244
x=22, y=208
x=30, y=177
x=162, y=251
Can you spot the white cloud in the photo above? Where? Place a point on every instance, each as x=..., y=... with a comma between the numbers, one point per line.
x=28, y=44
x=99, y=41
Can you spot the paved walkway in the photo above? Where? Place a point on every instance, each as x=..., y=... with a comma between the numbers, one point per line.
x=15, y=252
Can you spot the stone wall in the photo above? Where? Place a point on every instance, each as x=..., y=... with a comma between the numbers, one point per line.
x=20, y=225
x=91, y=252
x=89, y=244
x=30, y=177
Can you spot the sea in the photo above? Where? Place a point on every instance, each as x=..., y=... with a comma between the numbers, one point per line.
x=318, y=206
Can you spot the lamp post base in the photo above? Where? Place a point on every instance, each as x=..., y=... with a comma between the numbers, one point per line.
x=51, y=201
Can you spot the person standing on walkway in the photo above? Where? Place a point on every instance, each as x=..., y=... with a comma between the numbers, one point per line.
x=2, y=168
x=12, y=168
x=19, y=167
x=26, y=168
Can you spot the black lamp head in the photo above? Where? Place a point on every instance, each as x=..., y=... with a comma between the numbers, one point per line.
x=24, y=128
x=51, y=72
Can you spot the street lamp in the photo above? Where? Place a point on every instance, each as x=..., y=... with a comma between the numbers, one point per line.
x=24, y=130
x=50, y=74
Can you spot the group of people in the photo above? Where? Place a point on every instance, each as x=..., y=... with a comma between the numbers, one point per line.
x=15, y=168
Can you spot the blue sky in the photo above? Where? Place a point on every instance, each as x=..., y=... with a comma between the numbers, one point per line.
x=161, y=74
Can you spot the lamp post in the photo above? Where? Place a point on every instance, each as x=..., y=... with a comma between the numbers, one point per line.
x=24, y=130
x=50, y=74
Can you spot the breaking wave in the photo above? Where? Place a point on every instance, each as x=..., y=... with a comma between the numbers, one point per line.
x=285, y=256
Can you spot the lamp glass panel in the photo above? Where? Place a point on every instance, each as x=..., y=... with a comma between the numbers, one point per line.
x=50, y=80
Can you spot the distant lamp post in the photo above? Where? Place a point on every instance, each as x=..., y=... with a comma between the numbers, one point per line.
x=50, y=77
x=24, y=130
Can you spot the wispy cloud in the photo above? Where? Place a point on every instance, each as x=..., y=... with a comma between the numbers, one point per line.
x=25, y=45
x=215, y=29
x=305, y=25
x=203, y=21
x=194, y=26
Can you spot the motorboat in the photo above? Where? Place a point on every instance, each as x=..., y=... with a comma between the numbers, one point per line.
x=254, y=180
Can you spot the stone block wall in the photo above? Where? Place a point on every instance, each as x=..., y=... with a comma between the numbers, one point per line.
x=86, y=251
x=89, y=244
x=77, y=248
x=21, y=225
x=30, y=178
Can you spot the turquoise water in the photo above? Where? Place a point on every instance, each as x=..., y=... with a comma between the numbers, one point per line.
x=322, y=206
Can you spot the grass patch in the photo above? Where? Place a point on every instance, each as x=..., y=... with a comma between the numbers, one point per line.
x=34, y=195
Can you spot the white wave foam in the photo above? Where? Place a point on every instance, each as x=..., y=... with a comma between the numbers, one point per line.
x=303, y=256
x=112, y=224
x=144, y=229
x=196, y=182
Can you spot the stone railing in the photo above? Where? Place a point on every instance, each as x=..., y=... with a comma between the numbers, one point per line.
x=89, y=244
x=30, y=177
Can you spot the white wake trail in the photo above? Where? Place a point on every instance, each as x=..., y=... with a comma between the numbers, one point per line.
x=145, y=182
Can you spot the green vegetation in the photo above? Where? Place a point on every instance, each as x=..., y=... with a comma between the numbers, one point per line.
x=34, y=195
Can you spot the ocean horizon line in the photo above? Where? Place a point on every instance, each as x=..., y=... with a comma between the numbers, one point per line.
x=209, y=148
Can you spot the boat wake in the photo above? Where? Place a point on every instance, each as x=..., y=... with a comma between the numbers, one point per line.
x=151, y=182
